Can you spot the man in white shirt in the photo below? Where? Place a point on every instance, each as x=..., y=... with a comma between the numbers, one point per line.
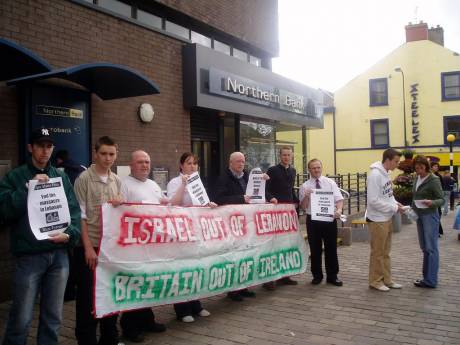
x=320, y=232
x=381, y=206
x=137, y=187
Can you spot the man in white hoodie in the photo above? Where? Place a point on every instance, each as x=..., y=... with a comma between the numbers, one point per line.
x=381, y=206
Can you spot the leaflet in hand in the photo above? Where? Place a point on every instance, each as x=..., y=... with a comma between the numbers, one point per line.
x=322, y=205
x=196, y=190
x=256, y=187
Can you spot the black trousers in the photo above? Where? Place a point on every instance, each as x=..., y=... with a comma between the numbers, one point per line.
x=134, y=322
x=187, y=308
x=319, y=233
x=86, y=324
x=441, y=231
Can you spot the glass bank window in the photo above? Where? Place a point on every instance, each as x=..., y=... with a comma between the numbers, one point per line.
x=177, y=30
x=116, y=6
x=239, y=54
x=221, y=47
x=257, y=142
x=201, y=39
x=149, y=19
x=255, y=61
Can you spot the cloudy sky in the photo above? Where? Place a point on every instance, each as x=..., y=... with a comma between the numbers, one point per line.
x=326, y=43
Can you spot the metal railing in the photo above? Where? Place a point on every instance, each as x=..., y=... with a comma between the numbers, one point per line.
x=353, y=184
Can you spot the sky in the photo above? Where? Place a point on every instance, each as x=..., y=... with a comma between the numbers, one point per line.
x=326, y=43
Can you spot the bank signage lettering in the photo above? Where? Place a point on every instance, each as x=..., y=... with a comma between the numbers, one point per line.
x=233, y=86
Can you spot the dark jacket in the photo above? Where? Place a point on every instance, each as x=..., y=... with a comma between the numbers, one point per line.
x=72, y=169
x=13, y=210
x=430, y=189
x=281, y=183
x=228, y=189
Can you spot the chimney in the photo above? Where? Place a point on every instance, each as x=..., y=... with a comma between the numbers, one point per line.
x=416, y=32
x=436, y=35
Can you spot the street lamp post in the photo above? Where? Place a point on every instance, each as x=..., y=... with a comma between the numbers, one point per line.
x=399, y=69
x=451, y=138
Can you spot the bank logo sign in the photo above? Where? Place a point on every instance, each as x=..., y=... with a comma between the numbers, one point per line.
x=48, y=110
x=229, y=85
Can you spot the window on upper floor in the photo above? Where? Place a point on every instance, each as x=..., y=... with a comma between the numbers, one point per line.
x=379, y=133
x=177, y=29
x=149, y=19
x=378, y=92
x=450, y=82
x=116, y=6
x=452, y=126
x=255, y=61
x=239, y=54
x=221, y=47
x=200, y=39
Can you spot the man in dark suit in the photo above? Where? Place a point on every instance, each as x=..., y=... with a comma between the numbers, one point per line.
x=281, y=187
x=231, y=189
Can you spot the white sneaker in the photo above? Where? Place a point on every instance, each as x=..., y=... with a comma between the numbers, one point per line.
x=188, y=319
x=381, y=288
x=204, y=313
x=395, y=286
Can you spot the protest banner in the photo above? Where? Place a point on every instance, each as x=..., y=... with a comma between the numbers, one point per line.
x=153, y=255
x=256, y=187
x=322, y=205
x=47, y=208
x=196, y=190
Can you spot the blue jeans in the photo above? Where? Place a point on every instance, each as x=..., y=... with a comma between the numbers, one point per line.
x=445, y=209
x=428, y=231
x=44, y=273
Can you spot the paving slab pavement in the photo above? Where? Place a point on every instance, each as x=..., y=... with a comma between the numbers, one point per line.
x=325, y=314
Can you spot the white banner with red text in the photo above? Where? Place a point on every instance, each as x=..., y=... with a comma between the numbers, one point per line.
x=153, y=255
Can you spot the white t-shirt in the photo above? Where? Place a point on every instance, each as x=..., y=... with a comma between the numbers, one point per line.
x=326, y=183
x=172, y=188
x=134, y=190
x=420, y=180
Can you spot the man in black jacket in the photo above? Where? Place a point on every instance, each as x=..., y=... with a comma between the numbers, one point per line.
x=231, y=189
x=281, y=186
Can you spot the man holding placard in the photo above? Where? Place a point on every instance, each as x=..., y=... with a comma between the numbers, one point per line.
x=94, y=187
x=41, y=232
x=138, y=188
x=281, y=187
x=323, y=202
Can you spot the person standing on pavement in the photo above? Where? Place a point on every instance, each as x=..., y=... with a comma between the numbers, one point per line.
x=448, y=183
x=231, y=189
x=94, y=187
x=428, y=197
x=42, y=267
x=320, y=232
x=381, y=206
x=138, y=188
x=179, y=196
x=281, y=187
x=435, y=171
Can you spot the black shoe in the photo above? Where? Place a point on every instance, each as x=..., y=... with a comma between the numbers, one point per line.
x=269, y=286
x=235, y=296
x=155, y=327
x=287, y=281
x=336, y=282
x=134, y=337
x=247, y=293
x=422, y=284
x=316, y=281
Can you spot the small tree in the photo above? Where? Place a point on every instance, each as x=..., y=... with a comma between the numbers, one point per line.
x=404, y=182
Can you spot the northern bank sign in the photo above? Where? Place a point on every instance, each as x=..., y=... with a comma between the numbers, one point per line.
x=233, y=86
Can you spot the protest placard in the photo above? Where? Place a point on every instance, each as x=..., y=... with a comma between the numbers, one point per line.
x=47, y=208
x=322, y=205
x=256, y=187
x=196, y=190
x=152, y=255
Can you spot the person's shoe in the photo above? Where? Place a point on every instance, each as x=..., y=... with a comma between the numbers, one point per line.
x=316, y=281
x=235, y=296
x=287, y=281
x=204, y=313
x=188, y=319
x=269, y=286
x=382, y=288
x=247, y=293
x=394, y=286
x=422, y=284
x=336, y=282
x=155, y=327
x=134, y=337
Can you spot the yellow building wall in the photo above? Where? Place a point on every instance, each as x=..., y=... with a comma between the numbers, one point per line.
x=422, y=62
x=320, y=144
